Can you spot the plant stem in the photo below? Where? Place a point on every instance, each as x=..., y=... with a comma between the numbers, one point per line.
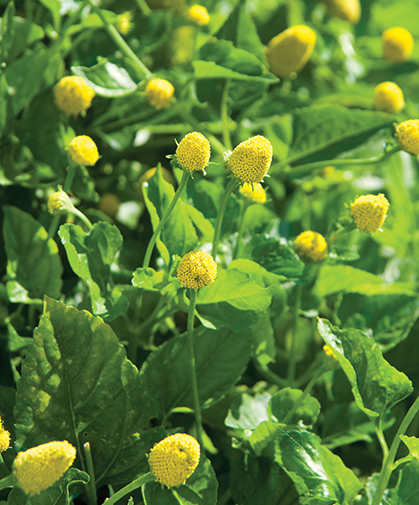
x=135, y=484
x=225, y=117
x=91, y=486
x=217, y=232
x=83, y=218
x=381, y=438
x=8, y=481
x=388, y=462
x=295, y=316
x=244, y=208
x=195, y=394
x=142, y=70
x=3, y=466
x=144, y=8
x=166, y=214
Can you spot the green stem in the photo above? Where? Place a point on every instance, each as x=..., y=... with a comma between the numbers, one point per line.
x=388, y=462
x=8, y=481
x=217, y=232
x=135, y=484
x=194, y=382
x=269, y=375
x=144, y=8
x=244, y=208
x=225, y=117
x=91, y=486
x=381, y=438
x=3, y=466
x=143, y=71
x=66, y=186
x=83, y=218
x=154, y=237
x=295, y=316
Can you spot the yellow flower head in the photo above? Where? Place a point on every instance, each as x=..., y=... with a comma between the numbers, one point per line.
x=109, y=204
x=198, y=15
x=83, y=150
x=174, y=459
x=159, y=93
x=193, y=152
x=311, y=246
x=40, y=467
x=72, y=95
x=289, y=51
x=407, y=134
x=253, y=192
x=4, y=438
x=250, y=160
x=124, y=23
x=369, y=212
x=388, y=97
x=349, y=10
x=59, y=202
x=397, y=44
x=196, y=270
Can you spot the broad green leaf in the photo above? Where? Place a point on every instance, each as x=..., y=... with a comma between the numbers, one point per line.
x=406, y=491
x=150, y=280
x=78, y=385
x=107, y=79
x=54, y=7
x=7, y=29
x=210, y=70
x=58, y=494
x=199, y=489
x=282, y=402
x=247, y=412
x=33, y=262
x=376, y=385
x=412, y=443
x=221, y=358
x=18, y=34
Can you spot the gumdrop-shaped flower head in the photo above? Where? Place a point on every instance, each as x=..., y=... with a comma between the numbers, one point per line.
x=311, y=246
x=289, y=51
x=407, y=134
x=253, y=192
x=72, y=95
x=251, y=159
x=159, y=93
x=40, y=467
x=174, y=459
x=59, y=202
x=198, y=15
x=83, y=150
x=193, y=152
x=4, y=438
x=349, y=10
x=397, y=44
x=369, y=212
x=196, y=270
x=388, y=97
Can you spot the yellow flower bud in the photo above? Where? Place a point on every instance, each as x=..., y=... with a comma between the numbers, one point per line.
x=388, y=97
x=83, y=150
x=407, y=134
x=196, y=270
x=73, y=96
x=109, y=204
x=251, y=159
x=369, y=212
x=124, y=23
x=159, y=93
x=311, y=246
x=289, y=51
x=193, y=153
x=349, y=10
x=174, y=459
x=40, y=467
x=198, y=15
x=397, y=44
x=253, y=192
x=59, y=202
x=4, y=438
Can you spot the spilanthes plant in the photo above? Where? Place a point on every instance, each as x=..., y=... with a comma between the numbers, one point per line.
x=83, y=150
x=397, y=44
x=407, y=134
x=348, y=10
x=73, y=95
x=198, y=15
x=311, y=246
x=4, y=438
x=253, y=192
x=124, y=23
x=289, y=52
x=388, y=97
x=59, y=203
x=369, y=212
x=159, y=93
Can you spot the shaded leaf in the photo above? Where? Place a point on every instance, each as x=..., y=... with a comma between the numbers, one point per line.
x=283, y=401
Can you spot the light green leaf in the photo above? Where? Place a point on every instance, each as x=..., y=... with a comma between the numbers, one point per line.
x=283, y=401
x=412, y=443
x=406, y=491
x=247, y=412
x=210, y=70
x=150, y=280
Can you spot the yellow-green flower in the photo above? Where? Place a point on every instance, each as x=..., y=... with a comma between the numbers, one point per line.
x=193, y=152
x=253, y=192
x=251, y=159
x=369, y=212
x=388, y=97
x=4, y=438
x=397, y=44
x=198, y=15
x=174, y=459
x=40, y=467
x=311, y=246
x=196, y=270
x=289, y=51
x=407, y=134
x=159, y=93
x=83, y=150
x=60, y=202
x=349, y=10
x=124, y=22
x=72, y=95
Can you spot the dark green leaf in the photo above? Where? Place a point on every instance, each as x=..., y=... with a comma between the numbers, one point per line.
x=282, y=402
x=406, y=492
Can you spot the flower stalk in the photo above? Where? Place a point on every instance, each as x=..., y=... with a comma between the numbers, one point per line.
x=217, y=231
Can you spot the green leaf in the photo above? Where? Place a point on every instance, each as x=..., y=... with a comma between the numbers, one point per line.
x=221, y=358
x=247, y=412
x=107, y=79
x=78, y=385
x=406, y=491
x=412, y=443
x=283, y=401
x=376, y=385
x=33, y=263
x=199, y=489
x=54, y=7
x=150, y=280
x=18, y=34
